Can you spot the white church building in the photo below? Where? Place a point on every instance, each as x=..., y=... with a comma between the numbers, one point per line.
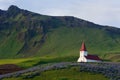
x=85, y=57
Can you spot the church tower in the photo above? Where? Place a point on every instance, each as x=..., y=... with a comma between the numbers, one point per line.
x=83, y=53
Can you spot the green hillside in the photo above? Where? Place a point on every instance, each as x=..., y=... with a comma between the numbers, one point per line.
x=27, y=34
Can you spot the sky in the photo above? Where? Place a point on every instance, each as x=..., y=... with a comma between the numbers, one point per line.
x=103, y=12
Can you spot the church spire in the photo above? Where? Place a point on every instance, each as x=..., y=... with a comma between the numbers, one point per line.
x=83, y=47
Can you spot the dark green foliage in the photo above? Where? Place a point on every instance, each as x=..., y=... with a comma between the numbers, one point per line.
x=28, y=34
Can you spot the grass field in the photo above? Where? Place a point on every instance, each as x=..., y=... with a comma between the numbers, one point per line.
x=30, y=62
x=71, y=73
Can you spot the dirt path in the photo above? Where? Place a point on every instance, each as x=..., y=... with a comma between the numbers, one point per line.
x=9, y=68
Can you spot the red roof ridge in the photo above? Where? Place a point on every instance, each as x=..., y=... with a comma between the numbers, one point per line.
x=92, y=57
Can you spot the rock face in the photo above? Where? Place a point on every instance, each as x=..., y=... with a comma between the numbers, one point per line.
x=24, y=34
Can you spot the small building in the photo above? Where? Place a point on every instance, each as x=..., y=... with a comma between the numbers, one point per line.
x=85, y=57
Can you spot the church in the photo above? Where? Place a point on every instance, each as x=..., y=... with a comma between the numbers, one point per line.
x=85, y=57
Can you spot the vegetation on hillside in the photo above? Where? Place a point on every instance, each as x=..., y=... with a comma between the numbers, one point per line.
x=27, y=34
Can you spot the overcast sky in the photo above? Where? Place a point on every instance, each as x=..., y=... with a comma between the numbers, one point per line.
x=104, y=12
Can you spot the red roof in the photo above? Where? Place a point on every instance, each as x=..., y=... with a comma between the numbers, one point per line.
x=92, y=57
x=83, y=47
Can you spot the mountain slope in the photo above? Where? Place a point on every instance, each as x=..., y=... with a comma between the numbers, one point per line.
x=27, y=34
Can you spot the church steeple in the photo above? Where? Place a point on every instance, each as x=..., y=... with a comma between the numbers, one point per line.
x=83, y=47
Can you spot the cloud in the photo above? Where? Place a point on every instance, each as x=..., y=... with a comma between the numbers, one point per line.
x=102, y=12
x=98, y=11
x=4, y=4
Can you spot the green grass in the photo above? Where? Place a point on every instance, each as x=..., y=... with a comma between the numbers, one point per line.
x=72, y=73
x=113, y=57
x=65, y=41
x=61, y=42
x=30, y=62
x=10, y=46
x=14, y=61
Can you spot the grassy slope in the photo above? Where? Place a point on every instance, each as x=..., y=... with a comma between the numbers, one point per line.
x=10, y=46
x=66, y=41
x=62, y=44
x=64, y=74
x=30, y=62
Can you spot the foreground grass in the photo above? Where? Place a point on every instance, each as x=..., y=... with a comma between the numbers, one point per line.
x=12, y=61
x=72, y=73
x=30, y=62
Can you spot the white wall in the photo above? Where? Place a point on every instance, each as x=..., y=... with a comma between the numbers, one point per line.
x=82, y=59
x=89, y=60
x=83, y=53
